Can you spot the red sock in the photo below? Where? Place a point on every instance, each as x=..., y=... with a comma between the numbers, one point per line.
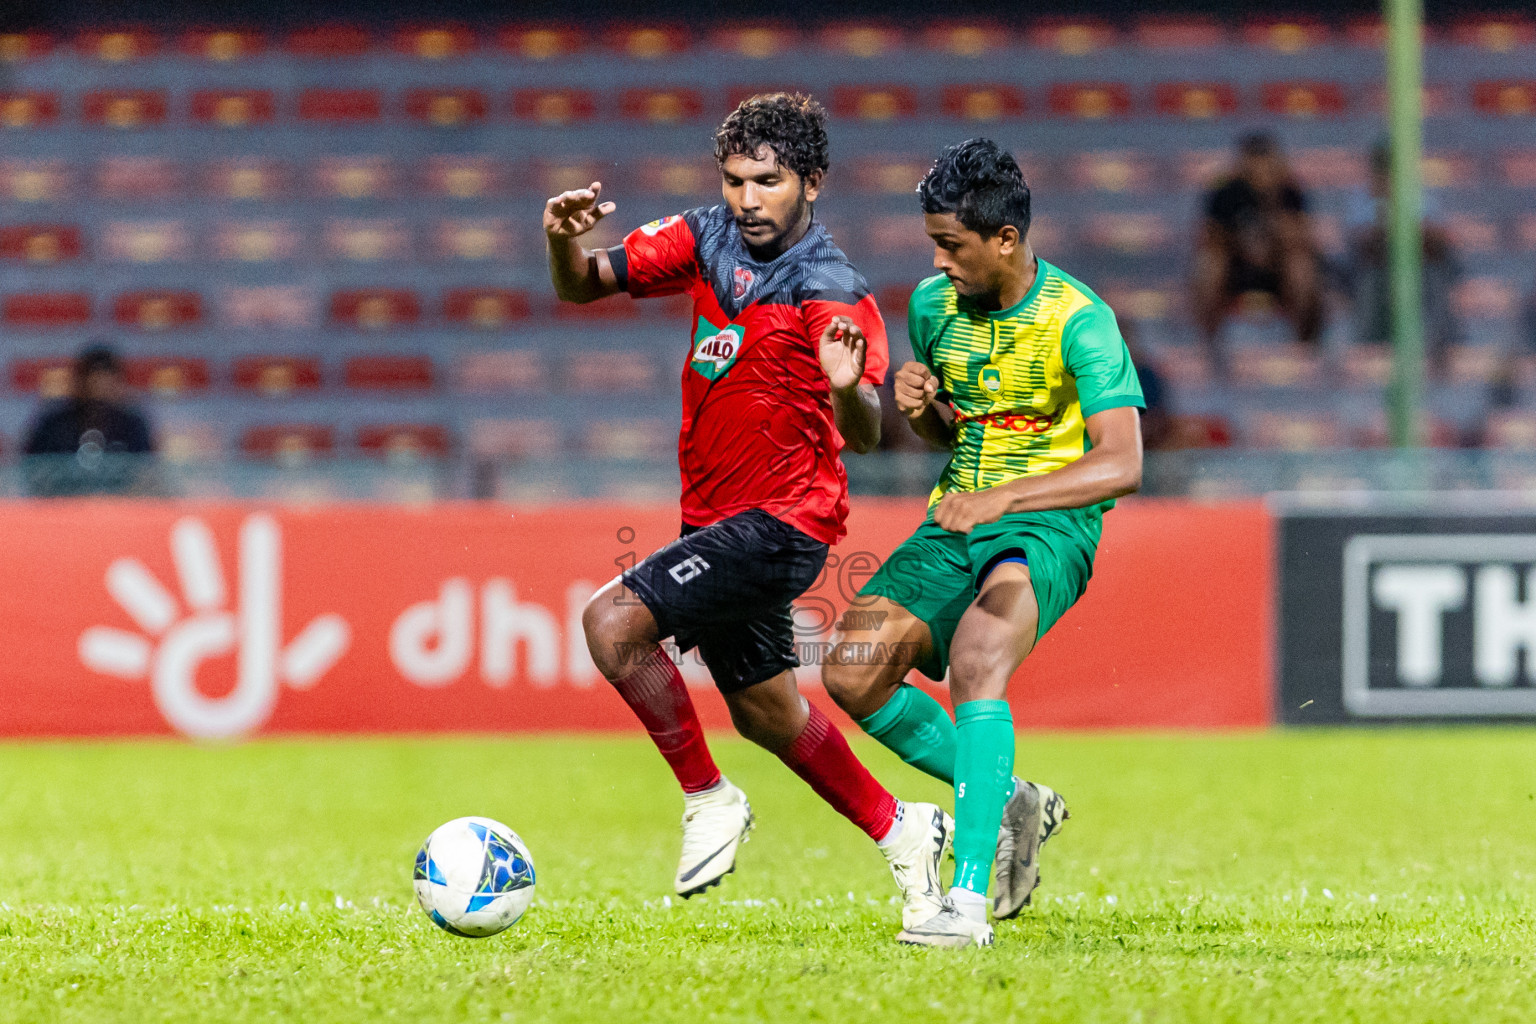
x=822, y=758
x=655, y=691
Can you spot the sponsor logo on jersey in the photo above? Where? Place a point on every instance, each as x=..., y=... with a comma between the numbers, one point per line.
x=741, y=280
x=715, y=348
x=656, y=225
x=1017, y=422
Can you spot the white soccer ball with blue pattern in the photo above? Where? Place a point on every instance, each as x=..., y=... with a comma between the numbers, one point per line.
x=474, y=877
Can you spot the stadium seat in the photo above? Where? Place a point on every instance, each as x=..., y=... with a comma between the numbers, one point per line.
x=1330, y=167
x=1089, y=101
x=892, y=173
x=629, y=439
x=540, y=43
x=16, y=47
x=1110, y=171
x=440, y=42
x=1294, y=431
x=648, y=42
x=259, y=241
x=124, y=108
x=46, y=377
x=661, y=106
x=473, y=239
x=1518, y=167
x=892, y=301
x=376, y=309
x=983, y=102
x=248, y=179
x=184, y=441
x=499, y=371
x=1507, y=98
x=1286, y=35
x=446, y=108
x=167, y=376
x=755, y=42
x=1178, y=32
x=1470, y=233
x=1485, y=297
x=618, y=308
x=1496, y=33
x=361, y=240
x=895, y=233
x=223, y=45
x=1368, y=366
x=695, y=178
x=874, y=102
x=354, y=177
x=404, y=440
x=389, y=373
x=140, y=178
x=515, y=438
x=611, y=371
x=1143, y=301
x=233, y=109
x=1276, y=366
x=1188, y=430
x=145, y=241
x=1199, y=169
x=118, y=46
x=288, y=441
x=46, y=310
x=1304, y=100
x=41, y=243
x=328, y=41
x=862, y=41
x=1129, y=234
x=1510, y=430
x=158, y=310
x=1185, y=365
x=1194, y=101
x=28, y=109
x=1370, y=33
x=553, y=107
x=468, y=176
x=486, y=309
x=291, y=307
x=1447, y=169
x=1475, y=364
x=1524, y=238
x=276, y=376
x=967, y=38
x=341, y=106
x=1074, y=37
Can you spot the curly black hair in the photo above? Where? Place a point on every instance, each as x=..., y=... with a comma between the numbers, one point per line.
x=981, y=184
x=793, y=125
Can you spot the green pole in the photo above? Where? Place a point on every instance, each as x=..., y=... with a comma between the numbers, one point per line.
x=1405, y=75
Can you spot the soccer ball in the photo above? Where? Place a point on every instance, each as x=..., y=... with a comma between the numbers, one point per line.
x=474, y=877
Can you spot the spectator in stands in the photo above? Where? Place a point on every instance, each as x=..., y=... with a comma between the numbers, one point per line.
x=1367, y=273
x=1156, y=418
x=97, y=426
x=1257, y=238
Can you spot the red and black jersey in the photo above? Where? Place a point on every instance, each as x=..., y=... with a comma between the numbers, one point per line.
x=758, y=430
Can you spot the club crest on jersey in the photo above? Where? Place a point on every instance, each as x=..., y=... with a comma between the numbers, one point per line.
x=656, y=225
x=741, y=280
x=991, y=378
x=715, y=348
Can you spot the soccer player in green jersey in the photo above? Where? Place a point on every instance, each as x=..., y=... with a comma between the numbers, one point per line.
x=1022, y=373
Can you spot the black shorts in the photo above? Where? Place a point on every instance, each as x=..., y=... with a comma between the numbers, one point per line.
x=726, y=588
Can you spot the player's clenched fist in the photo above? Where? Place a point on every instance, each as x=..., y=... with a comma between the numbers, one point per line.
x=915, y=388
x=576, y=212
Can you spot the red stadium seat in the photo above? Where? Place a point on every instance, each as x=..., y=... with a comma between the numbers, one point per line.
x=376, y=309
x=1276, y=366
x=755, y=42
x=1510, y=430
x=894, y=173
x=866, y=42
x=248, y=178
x=264, y=307
x=389, y=373
x=540, y=42
x=440, y=42
x=1330, y=167
x=119, y=46
x=1143, y=302
x=469, y=176
x=487, y=309
x=16, y=47
x=874, y=102
x=1178, y=32
x=1190, y=431
x=1525, y=233
x=446, y=108
x=1368, y=366
x=28, y=109
x=288, y=441
x=341, y=106
x=158, y=310
x=1475, y=364
x=1129, y=234
x=1496, y=33
x=500, y=370
x=1075, y=37
x=354, y=177
x=276, y=376
x=515, y=438
x=139, y=178
x=41, y=243
x=1194, y=101
x=1486, y=297
x=1470, y=233
x=893, y=233
x=1286, y=35
x=1507, y=98
x=260, y=241
x=892, y=301
x=223, y=45
x=629, y=439
x=367, y=240
x=648, y=42
x=967, y=38
x=404, y=440
x=36, y=181
x=1437, y=98
x=1304, y=100
x=329, y=41
x=233, y=109
x=692, y=177
x=124, y=108
x=983, y=102
x=661, y=106
x=1518, y=167
x=167, y=376
x=190, y=440
x=553, y=176
x=1090, y=101
x=1294, y=431
x=46, y=310
x=1200, y=168
x=612, y=371
x=146, y=241
x=553, y=106
x=46, y=377
x=1115, y=171
x=1371, y=34
x=474, y=239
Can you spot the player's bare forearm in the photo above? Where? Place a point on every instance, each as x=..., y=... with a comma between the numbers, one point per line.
x=935, y=427
x=856, y=411
x=579, y=274
x=1110, y=469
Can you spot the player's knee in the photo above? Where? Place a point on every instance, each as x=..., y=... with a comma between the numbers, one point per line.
x=979, y=671
x=848, y=685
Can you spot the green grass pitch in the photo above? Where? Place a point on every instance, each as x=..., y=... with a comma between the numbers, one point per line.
x=1290, y=876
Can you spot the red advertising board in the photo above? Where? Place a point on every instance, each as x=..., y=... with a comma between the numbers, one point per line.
x=223, y=620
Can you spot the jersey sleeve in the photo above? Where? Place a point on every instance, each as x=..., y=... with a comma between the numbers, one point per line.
x=922, y=318
x=659, y=258
x=819, y=311
x=1095, y=353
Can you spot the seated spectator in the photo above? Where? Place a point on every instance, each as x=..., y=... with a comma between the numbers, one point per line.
x=1257, y=238
x=94, y=424
x=1156, y=418
x=1367, y=274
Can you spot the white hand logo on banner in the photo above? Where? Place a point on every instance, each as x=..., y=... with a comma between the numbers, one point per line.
x=174, y=644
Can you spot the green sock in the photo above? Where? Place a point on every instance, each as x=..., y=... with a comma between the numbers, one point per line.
x=918, y=729
x=983, y=779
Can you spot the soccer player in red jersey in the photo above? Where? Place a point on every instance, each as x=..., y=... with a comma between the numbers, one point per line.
x=786, y=350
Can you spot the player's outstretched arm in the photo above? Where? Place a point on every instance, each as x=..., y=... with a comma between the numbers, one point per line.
x=915, y=388
x=578, y=274
x=855, y=405
x=1110, y=469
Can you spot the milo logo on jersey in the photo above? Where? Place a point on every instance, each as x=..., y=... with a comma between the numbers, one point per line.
x=715, y=348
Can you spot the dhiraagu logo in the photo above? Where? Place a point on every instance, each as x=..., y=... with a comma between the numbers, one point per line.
x=715, y=348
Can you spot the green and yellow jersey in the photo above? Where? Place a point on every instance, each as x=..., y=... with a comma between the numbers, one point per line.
x=1021, y=380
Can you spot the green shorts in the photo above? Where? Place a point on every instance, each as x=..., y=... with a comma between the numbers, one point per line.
x=936, y=574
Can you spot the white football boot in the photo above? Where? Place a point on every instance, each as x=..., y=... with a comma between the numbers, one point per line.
x=715, y=823
x=949, y=928
x=915, y=858
x=1031, y=816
